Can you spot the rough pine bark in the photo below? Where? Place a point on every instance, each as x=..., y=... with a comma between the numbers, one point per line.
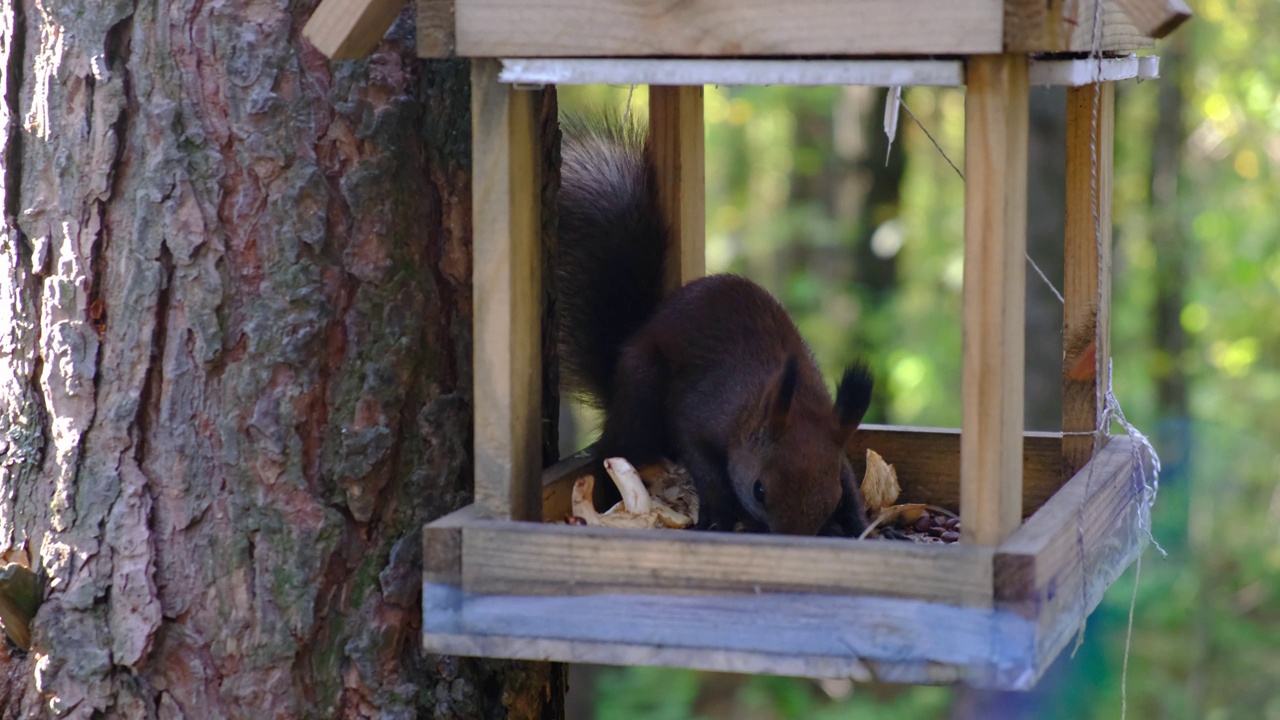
x=234, y=365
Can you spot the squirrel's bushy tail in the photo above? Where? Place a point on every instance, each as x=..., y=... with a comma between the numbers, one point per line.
x=612, y=241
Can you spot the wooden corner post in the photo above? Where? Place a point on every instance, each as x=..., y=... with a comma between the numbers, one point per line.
x=1086, y=314
x=677, y=142
x=506, y=285
x=995, y=239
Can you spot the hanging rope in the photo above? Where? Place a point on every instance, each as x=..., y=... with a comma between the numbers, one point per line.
x=1143, y=453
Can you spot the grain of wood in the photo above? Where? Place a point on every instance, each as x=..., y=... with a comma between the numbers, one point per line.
x=664, y=72
x=350, y=29
x=436, y=35
x=740, y=28
x=506, y=285
x=1156, y=18
x=442, y=546
x=1054, y=26
x=677, y=145
x=541, y=559
x=994, y=297
x=1086, y=315
x=867, y=637
x=927, y=462
x=1048, y=572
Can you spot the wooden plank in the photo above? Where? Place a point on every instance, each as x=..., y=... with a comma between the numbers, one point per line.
x=1086, y=314
x=1156, y=18
x=731, y=72
x=442, y=546
x=540, y=559
x=927, y=462
x=506, y=285
x=708, y=659
x=1056, y=568
x=1055, y=26
x=867, y=638
x=436, y=36
x=995, y=238
x=736, y=28
x=557, y=483
x=350, y=29
x=676, y=143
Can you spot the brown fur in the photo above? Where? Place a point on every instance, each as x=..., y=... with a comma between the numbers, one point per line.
x=715, y=377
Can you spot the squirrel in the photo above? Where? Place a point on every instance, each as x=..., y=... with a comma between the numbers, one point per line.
x=715, y=376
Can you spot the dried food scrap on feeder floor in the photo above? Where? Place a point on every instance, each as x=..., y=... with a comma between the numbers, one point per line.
x=662, y=495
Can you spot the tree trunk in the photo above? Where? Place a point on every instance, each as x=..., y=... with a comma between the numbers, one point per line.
x=235, y=365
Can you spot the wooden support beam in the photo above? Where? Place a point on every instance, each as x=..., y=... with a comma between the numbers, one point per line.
x=995, y=238
x=436, y=35
x=506, y=287
x=1156, y=18
x=676, y=141
x=1086, y=314
x=350, y=29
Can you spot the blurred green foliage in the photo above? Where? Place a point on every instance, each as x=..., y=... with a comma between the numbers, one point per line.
x=1206, y=628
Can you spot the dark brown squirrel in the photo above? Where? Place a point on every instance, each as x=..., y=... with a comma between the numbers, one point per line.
x=715, y=376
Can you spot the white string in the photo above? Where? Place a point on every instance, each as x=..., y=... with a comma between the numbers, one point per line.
x=1124, y=667
x=1048, y=283
x=929, y=135
x=902, y=103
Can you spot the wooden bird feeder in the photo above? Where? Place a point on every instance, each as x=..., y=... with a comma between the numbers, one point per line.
x=1050, y=520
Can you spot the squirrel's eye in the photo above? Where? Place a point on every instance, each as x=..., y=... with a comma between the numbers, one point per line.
x=758, y=491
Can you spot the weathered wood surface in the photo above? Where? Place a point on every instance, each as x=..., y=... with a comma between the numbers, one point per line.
x=541, y=559
x=507, y=284
x=927, y=462
x=234, y=364
x=666, y=72
x=1086, y=288
x=435, y=26
x=895, y=640
x=816, y=606
x=995, y=239
x=678, y=147
x=1054, y=26
x=593, y=28
x=1156, y=18
x=350, y=29
x=1057, y=566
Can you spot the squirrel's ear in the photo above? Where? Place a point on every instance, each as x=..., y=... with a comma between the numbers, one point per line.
x=853, y=397
x=778, y=398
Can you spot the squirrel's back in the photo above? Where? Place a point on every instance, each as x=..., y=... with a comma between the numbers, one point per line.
x=611, y=248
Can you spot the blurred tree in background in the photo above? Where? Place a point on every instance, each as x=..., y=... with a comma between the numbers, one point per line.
x=867, y=255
